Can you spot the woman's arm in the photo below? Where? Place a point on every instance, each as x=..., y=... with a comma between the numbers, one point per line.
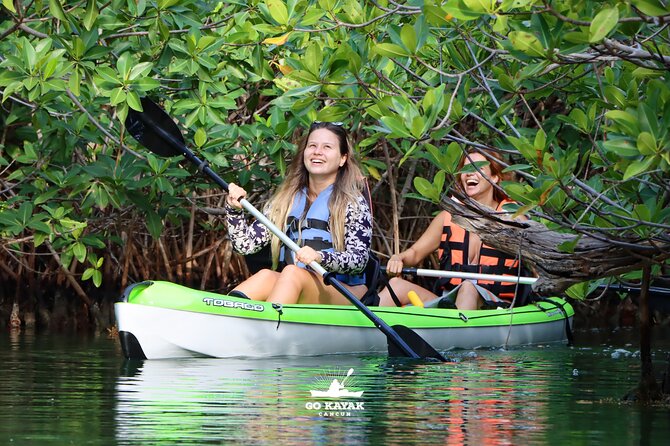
x=357, y=241
x=422, y=248
x=246, y=238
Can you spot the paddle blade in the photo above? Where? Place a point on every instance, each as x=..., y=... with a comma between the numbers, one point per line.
x=154, y=129
x=416, y=342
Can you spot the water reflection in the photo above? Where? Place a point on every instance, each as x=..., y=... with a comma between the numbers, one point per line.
x=490, y=398
x=59, y=389
x=210, y=400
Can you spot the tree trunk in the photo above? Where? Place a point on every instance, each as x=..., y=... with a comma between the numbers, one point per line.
x=648, y=388
x=557, y=270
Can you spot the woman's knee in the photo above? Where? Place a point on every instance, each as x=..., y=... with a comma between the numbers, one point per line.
x=467, y=297
x=266, y=274
x=467, y=287
x=291, y=273
x=396, y=282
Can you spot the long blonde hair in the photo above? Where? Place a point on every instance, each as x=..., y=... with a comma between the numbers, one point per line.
x=347, y=189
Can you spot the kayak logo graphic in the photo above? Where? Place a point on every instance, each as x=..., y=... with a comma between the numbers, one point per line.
x=336, y=390
x=230, y=304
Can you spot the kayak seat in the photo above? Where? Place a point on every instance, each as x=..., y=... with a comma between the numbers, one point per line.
x=239, y=294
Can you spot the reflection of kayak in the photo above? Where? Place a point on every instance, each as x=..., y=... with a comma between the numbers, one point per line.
x=223, y=401
x=164, y=320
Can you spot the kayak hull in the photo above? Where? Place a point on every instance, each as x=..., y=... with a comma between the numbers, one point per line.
x=164, y=320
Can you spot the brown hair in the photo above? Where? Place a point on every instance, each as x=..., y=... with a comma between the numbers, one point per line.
x=494, y=159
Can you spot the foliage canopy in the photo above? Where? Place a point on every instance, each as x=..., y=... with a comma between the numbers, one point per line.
x=576, y=93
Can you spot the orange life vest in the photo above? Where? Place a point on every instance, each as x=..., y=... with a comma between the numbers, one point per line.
x=454, y=253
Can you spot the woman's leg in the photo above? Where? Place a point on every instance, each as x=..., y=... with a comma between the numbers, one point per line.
x=260, y=285
x=401, y=287
x=468, y=297
x=297, y=285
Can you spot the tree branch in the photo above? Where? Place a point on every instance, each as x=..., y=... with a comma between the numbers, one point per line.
x=557, y=270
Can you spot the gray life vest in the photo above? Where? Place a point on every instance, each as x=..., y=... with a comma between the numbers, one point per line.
x=313, y=229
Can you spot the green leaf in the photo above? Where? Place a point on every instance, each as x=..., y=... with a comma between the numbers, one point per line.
x=435, y=15
x=426, y=188
x=9, y=4
x=637, y=167
x=200, y=137
x=133, y=101
x=621, y=147
x=526, y=43
x=396, y=126
x=569, y=245
x=408, y=37
x=39, y=238
x=141, y=69
x=56, y=9
x=97, y=278
x=390, y=50
x=457, y=9
x=646, y=143
x=540, y=141
x=79, y=251
x=88, y=273
x=146, y=84
x=525, y=148
x=579, y=119
x=518, y=192
x=117, y=96
x=647, y=73
x=603, y=23
x=124, y=64
x=482, y=6
x=650, y=7
x=108, y=75
x=615, y=95
x=91, y=14
x=154, y=224
x=626, y=120
x=29, y=55
x=278, y=11
x=313, y=60
x=579, y=291
x=328, y=5
x=74, y=82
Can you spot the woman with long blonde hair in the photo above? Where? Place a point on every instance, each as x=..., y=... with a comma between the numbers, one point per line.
x=321, y=206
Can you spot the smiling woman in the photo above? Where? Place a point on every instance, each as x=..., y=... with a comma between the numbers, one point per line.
x=321, y=207
x=460, y=250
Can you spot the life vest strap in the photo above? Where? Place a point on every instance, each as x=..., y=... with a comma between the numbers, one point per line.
x=308, y=223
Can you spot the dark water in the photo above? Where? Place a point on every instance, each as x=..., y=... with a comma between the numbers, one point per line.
x=58, y=389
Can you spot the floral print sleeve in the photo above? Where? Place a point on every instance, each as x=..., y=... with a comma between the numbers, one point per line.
x=357, y=241
x=247, y=238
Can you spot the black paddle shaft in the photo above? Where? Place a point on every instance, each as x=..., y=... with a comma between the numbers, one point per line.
x=153, y=128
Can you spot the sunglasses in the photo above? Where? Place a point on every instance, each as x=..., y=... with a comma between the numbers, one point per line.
x=322, y=124
x=337, y=123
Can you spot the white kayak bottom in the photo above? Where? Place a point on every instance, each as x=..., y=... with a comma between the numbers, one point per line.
x=169, y=333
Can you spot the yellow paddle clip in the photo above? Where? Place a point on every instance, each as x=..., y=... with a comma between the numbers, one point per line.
x=414, y=299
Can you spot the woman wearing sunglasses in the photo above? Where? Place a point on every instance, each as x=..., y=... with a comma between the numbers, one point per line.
x=460, y=250
x=321, y=206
